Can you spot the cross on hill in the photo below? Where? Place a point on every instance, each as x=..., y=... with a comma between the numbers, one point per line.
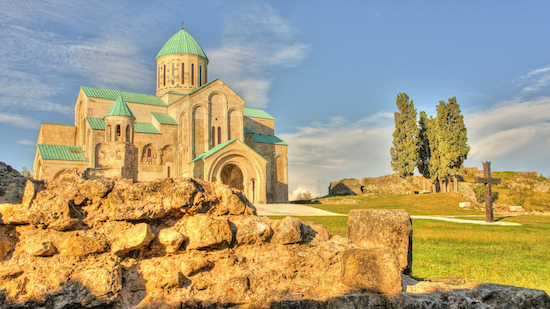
x=488, y=181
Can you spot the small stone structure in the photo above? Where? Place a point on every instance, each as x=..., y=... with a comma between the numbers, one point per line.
x=187, y=243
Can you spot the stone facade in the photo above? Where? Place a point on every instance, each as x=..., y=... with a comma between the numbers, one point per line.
x=190, y=128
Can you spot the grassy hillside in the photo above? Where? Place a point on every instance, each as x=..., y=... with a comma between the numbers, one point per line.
x=496, y=254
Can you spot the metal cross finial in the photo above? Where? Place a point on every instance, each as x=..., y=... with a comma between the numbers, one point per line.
x=182, y=25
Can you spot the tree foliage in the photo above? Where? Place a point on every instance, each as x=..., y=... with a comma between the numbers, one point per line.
x=404, y=153
x=424, y=152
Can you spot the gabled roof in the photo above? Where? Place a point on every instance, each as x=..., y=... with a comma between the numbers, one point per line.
x=128, y=96
x=59, y=152
x=139, y=127
x=119, y=108
x=181, y=43
x=219, y=147
x=143, y=127
x=268, y=139
x=163, y=118
x=256, y=113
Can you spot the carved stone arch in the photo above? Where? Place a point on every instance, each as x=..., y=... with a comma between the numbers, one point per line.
x=59, y=173
x=149, y=154
x=199, y=129
x=168, y=154
x=281, y=169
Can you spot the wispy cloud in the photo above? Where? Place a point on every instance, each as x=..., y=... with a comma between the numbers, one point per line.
x=534, y=80
x=19, y=121
x=256, y=41
x=26, y=142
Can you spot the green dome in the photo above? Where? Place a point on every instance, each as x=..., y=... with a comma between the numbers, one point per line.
x=182, y=43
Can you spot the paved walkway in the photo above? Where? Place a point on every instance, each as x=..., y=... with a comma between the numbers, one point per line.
x=297, y=210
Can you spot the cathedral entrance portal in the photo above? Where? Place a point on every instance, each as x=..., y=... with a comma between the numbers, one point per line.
x=232, y=176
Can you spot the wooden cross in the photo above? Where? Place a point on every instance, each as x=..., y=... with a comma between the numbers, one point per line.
x=488, y=181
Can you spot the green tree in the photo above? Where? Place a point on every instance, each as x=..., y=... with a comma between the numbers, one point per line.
x=451, y=149
x=404, y=153
x=26, y=172
x=424, y=152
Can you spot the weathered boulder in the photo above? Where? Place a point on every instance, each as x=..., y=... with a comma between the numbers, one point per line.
x=383, y=228
x=251, y=230
x=12, y=185
x=192, y=266
x=81, y=245
x=373, y=269
x=288, y=231
x=134, y=238
x=207, y=232
x=313, y=232
x=171, y=239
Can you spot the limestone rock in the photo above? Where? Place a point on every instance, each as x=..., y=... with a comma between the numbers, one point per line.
x=12, y=185
x=134, y=238
x=313, y=231
x=64, y=224
x=251, y=230
x=5, y=247
x=100, y=281
x=193, y=266
x=81, y=245
x=383, y=228
x=207, y=232
x=39, y=248
x=373, y=269
x=289, y=231
x=171, y=239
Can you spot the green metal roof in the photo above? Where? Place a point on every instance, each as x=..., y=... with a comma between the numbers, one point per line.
x=164, y=118
x=59, y=152
x=268, y=139
x=181, y=43
x=247, y=130
x=119, y=108
x=256, y=113
x=143, y=127
x=128, y=96
x=96, y=123
x=212, y=151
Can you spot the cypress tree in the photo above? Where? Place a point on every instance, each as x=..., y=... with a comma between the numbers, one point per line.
x=404, y=153
x=424, y=152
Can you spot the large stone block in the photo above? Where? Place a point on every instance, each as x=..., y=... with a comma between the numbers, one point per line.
x=134, y=238
x=390, y=228
x=374, y=269
x=207, y=232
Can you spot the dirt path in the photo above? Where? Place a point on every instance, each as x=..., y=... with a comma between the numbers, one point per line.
x=297, y=210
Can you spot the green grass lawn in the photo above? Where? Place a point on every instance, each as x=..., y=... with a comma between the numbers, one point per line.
x=512, y=255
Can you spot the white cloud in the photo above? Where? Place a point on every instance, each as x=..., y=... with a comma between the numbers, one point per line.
x=257, y=41
x=26, y=142
x=324, y=152
x=19, y=121
x=534, y=80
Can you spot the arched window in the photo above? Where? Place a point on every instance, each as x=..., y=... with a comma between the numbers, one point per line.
x=149, y=153
x=164, y=75
x=200, y=75
x=117, y=136
x=182, y=73
x=213, y=136
x=192, y=74
x=219, y=135
x=128, y=134
x=168, y=172
x=173, y=74
x=158, y=78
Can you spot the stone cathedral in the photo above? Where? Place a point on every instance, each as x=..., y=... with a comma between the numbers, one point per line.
x=192, y=127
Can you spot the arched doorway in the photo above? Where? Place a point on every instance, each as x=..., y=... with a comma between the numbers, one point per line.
x=232, y=176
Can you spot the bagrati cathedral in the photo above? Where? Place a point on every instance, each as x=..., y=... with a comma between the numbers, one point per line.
x=192, y=127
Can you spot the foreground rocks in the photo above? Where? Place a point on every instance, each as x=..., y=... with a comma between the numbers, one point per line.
x=185, y=243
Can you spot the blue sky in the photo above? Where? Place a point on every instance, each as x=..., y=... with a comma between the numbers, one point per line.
x=328, y=71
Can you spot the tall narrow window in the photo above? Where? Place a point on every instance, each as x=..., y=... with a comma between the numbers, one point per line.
x=200, y=75
x=117, y=136
x=158, y=79
x=149, y=153
x=173, y=74
x=219, y=135
x=182, y=73
x=168, y=172
x=128, y=135
x=164, y=75
x=193, y=74
x=213, y=136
